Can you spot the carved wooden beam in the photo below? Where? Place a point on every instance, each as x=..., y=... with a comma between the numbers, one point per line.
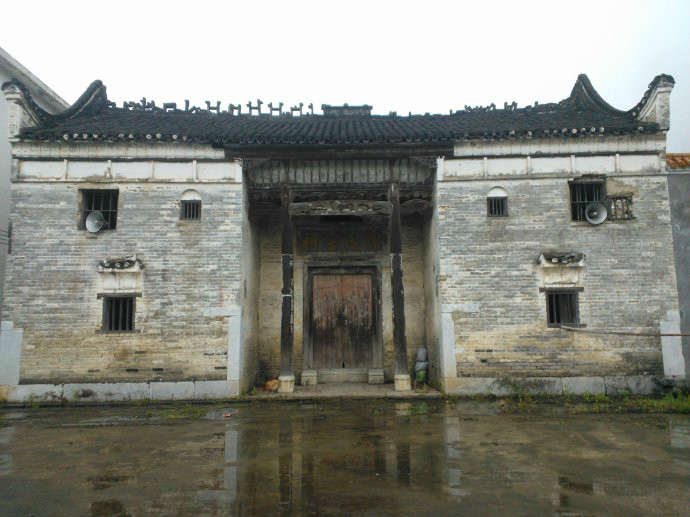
x=414, y=206
x=338, y=207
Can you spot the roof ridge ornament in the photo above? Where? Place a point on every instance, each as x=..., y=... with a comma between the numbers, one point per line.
x=278, y=109
x=259, y=102
x=296, y=109
x=232, y=109
x=479, y=109
x=363, y=110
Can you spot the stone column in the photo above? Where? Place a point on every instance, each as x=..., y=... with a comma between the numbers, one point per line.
x=402, y=374
x=286, y=380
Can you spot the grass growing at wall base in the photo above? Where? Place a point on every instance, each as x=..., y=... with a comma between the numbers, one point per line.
x=669, y=403
x=176, y=412
x=600, y=403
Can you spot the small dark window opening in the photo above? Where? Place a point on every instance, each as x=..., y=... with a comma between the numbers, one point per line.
x=9, y=239
x=118, y=313
x=497, y=206
x=105, y=201
x=562, y=308
x=620, y=208
x=190, y=210
x=583, y=193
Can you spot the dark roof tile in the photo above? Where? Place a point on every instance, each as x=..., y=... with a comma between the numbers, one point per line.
x=93, y=114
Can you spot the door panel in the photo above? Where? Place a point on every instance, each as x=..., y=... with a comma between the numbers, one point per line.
x=342, y=320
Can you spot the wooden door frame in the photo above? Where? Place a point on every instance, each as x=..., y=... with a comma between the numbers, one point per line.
x=342, y=268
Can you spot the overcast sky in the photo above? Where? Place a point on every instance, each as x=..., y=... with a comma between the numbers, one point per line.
x=422, y=56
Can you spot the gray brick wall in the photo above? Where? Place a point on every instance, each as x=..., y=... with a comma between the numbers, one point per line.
x=629, y=280
x=52, y=283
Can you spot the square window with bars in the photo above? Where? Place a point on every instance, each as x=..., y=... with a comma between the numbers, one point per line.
x=583, y=193
x=118, y=313
x=190, y=210
x=102, y=200
x=562, y=308
x=497, y=206
x=620, y=208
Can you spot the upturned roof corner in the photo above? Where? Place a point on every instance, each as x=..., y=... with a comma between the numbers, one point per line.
x=655, y=104
x=26, y=113
x=23, y=112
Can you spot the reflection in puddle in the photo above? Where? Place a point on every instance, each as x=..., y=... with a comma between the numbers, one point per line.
x=5, y=463
x=583, y=488
x=679, y=432
x=343, y=458
x=108, y=509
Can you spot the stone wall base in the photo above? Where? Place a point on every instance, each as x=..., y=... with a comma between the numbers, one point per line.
x=502, y=387
x=118, y=392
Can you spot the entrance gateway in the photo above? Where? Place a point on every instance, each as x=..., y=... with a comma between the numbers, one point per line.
x=340, y=229
x=343, y=343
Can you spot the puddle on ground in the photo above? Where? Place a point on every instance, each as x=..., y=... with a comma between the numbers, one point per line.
x=340, y=458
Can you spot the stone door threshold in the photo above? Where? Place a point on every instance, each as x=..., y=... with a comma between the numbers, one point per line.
x=349, y=390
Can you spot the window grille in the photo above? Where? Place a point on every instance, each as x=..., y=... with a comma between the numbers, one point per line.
x=118, y=313
x=497, y=206
x=190, y=209
x=583, y=193
x=104, y=201
x=562, y=308
x=620, y=208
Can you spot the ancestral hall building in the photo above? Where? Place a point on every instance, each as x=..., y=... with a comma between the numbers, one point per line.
x=169, y=252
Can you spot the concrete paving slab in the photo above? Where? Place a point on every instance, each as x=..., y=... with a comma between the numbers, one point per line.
x=172, y=390
x=107, y=392
x=35, y=392
x=616, y=385
x=642, y=384
x=215, y=389
x=469, y=386
x=582, y=385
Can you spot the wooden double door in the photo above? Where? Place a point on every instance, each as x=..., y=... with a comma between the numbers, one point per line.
x=343, y=318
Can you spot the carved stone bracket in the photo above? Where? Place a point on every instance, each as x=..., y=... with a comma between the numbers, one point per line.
x=560, y=269
x=121, y=274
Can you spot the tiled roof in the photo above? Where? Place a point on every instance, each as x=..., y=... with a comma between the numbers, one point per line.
x=678, y=160
x=94, y=117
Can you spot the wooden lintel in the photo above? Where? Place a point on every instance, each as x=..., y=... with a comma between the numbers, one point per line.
x=340, y=207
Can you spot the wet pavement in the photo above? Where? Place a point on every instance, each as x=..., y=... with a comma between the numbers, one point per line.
x=340, y=458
